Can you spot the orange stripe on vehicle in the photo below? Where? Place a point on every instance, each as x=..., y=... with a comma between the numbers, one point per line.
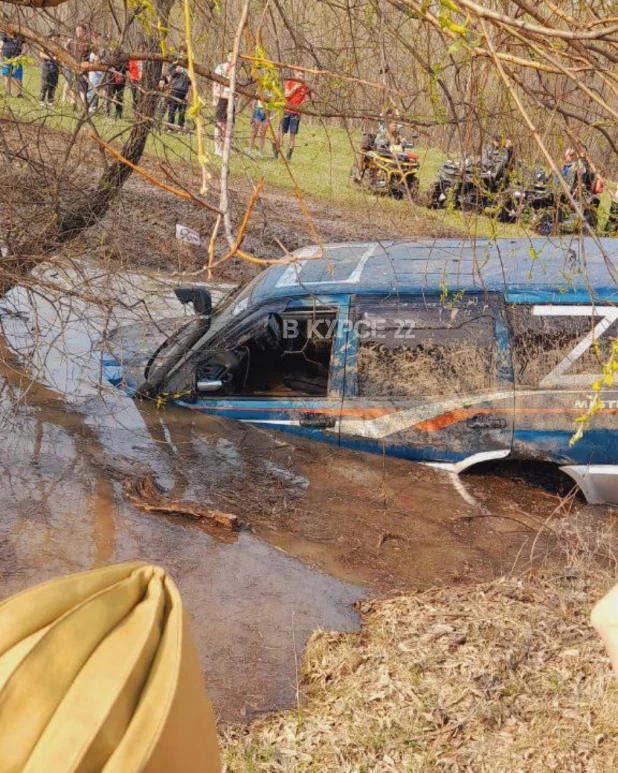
x=454, y=417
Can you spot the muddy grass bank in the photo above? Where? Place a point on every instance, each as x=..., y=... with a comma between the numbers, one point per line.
x=497, y=677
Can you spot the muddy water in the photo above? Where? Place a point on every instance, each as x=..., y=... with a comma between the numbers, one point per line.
x=325, y=527
x=249, y=602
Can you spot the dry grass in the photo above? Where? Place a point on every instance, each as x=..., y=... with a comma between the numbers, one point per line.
x=415, y=371
x=505, y=676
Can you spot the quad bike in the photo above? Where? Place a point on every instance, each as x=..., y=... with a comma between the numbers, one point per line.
x=562, y=218
x=527, y=196
x=471, y=186
x=551, y=212
x=385, y=171
x=452, y=178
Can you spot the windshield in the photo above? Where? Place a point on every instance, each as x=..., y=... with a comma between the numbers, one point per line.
x=229, y=307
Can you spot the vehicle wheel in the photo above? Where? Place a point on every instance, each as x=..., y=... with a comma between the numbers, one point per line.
x=545, y=225
x=591, y=216
x=169, y=353
x=356, y=174
x=611, y=227
x=413, y=187
x=471, y=201
x=507, y=215
x=434, y=197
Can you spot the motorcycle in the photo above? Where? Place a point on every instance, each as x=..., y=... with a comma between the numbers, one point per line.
x=386, y=171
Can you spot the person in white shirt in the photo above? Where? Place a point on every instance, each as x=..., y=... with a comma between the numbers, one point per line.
x=220, y=101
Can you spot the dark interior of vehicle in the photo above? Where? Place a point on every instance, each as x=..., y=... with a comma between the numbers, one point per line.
x=282, y=355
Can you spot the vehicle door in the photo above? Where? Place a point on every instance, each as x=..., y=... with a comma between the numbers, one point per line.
x=429, y=378
x=298, y=387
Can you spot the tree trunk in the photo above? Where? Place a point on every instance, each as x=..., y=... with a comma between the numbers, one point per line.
x=72, y=222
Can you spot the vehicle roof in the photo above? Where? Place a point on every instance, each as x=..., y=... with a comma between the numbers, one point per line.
x=547, y=270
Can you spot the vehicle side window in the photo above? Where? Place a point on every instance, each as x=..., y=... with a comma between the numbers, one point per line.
x=546, y=346
x=278, y=352
x=423, y=348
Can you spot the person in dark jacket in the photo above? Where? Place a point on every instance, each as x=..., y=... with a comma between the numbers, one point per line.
x=180, y=83
x=50, y=71
x=12, y=68
x=117, y=81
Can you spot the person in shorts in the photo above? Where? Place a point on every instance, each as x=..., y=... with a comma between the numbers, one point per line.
x=220, y=101
x=296, y=92
x=259, y=125
x=12, y=69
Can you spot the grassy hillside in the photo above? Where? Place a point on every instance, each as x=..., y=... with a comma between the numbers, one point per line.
x=321, y=165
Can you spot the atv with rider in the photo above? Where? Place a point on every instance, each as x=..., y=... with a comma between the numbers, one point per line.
x=385, y=164
x=474, y=186
x=554, y=213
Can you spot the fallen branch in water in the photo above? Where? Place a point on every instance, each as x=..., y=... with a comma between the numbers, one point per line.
x=145, y=494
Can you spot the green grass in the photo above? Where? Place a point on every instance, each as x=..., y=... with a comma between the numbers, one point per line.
x=321, y=164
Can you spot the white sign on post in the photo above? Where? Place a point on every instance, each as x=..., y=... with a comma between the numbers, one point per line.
x=187, y=235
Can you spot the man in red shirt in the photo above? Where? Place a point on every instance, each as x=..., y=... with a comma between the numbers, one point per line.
x=136, y=69
x=295, y=92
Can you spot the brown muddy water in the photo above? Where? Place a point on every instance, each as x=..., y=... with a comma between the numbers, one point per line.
x=325, y=528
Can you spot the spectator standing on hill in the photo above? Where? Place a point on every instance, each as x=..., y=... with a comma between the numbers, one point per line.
x=164, y=86
x=95, y=82
x=220, y=101
x=180, y=83
x=296, y=92
x=12, y=69
x=77, y=83
x=259, y=124
x=115, y=90
x=50, y=72
x=136, y=69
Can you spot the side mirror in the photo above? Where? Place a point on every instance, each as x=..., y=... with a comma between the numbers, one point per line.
x=199, y=296
x=204, y=387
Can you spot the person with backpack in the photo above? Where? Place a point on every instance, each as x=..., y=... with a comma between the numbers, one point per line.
x=50, y=72
x=180, y=83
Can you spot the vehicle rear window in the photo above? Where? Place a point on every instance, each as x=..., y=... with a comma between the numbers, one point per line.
x=542, y=342
x=424, y=348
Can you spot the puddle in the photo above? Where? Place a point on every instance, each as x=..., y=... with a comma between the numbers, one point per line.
x=327, y=527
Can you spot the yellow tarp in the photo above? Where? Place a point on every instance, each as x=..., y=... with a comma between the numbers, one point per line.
x=98, y=672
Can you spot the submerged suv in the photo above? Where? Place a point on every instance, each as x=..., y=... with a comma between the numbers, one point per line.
x=444, y=351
